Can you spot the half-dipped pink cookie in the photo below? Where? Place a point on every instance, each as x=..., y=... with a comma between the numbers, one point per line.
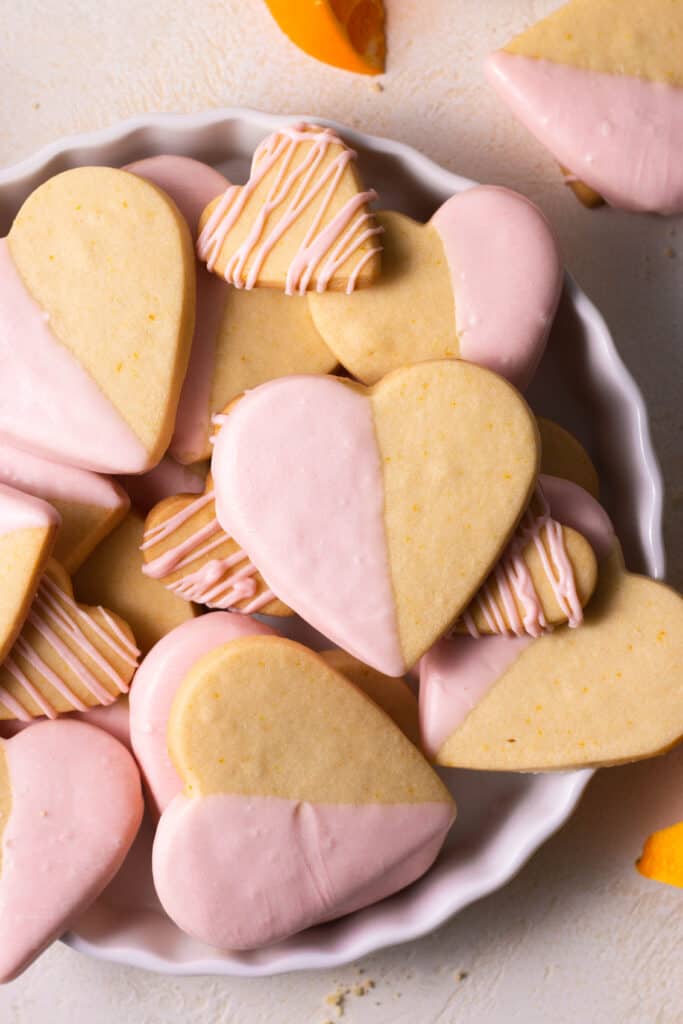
x=600, y=84
x=90, y=505
x=480, y=281
x=377, y=513
x=302, y=801
x=568, y=698
x=97, y=299
x=70, y=806
x=241, y=339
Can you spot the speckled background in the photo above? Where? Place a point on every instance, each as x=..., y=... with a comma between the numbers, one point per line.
x=578, y=936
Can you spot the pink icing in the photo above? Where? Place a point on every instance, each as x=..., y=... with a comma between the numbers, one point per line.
x=155, y=686
x=506, y=276
x=39, y=380
x=21, y=511
x=164, y=481
x=76, y=806
x=192, y=185
x=239, y=872
x=324, y=249
x=308, y=445
x=622, y=135
x=455, y=676
x=36, y=475
x=573, y=506
x=113, y=718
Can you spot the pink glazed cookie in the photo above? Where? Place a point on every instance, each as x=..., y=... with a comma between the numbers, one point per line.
x=70, y=806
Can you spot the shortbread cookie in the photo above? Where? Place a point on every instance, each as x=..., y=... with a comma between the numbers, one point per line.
x=70, y=806
x=185, y=547
x=480, y=281
x=113, y=576
x=600, y=84
x=300, y=223
x=168, y=478
x=241, y=338
x=97, y=296
x=562, y=455
x=302, y=800
x=607, y=693
x=376, y=514
x=67, y=656
x=89, y=505
x=28, y=527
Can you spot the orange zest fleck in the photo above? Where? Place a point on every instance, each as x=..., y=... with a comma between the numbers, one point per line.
x=662, y=858
x=347, y=34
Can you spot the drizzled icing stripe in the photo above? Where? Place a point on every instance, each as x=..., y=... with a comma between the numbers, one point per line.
x=51, y=608
x=324, y=249
x=515, y=585
x=212, y=584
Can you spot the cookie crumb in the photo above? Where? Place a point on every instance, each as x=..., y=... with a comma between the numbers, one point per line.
x=461, y=975
x=671, y=253
x=377, y=86
x=36, y=105
x=363, y=987
x=336, y=1001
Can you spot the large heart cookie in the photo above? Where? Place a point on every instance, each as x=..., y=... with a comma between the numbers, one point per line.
x=241, y=338
x=302, y=801
x=376, y=514
x=67, y=656
x=185, y=547
x=480, y=281
x=301, y=221
x=97, y=300
x=70, y=806
x=603, y=694
x=28, y=527
x=601, y=86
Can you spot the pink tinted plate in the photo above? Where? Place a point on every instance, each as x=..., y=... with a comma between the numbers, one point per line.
x=502, y=818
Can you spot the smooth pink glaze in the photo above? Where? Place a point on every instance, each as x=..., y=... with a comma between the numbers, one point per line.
x=21, y=511
x=192, y=185
x=323, y=250
x=239, y=872
x=455, y=676
x=307, y=445
x=114, y=719
x=51, y=480
x=155, y=686
x=506, y=275
x=622, y=135
x=164, y=481
x=76, y=806
x=459, y=671
x=39, y=383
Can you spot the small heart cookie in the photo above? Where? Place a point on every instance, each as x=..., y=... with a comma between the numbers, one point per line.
x=113, y=577
x=606, y=693
x=241, y=338
x=185, y=547
x=301, y=221
x=67, y=656
x=70, y=807
x=302, y=800
x=89, y=505
x=562, y=455
x=28, y=527
x=97, y=298
x=377, y=513
x=480, y=281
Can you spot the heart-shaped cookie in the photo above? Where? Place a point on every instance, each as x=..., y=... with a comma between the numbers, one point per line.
x=301, y=221
x=97, y=297
x=67, y=656
x=302, y=801
x=606, y=693
x=167, y=479
x=601, y=86
x=241, y=338
x=563, y=455
x=90, y=506
x=481, y=280
x=70, y=806
x=376, y=514
x=186, y=548
x=28, y=527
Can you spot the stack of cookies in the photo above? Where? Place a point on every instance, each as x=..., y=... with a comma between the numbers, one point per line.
x=233, y=414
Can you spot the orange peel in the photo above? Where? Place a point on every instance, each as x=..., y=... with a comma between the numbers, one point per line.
x=662, y=858
x=347, y=34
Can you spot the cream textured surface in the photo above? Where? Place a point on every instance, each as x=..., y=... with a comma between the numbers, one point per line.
x=578, y=936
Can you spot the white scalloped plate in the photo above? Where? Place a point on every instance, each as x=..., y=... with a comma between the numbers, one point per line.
x=502, y=818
